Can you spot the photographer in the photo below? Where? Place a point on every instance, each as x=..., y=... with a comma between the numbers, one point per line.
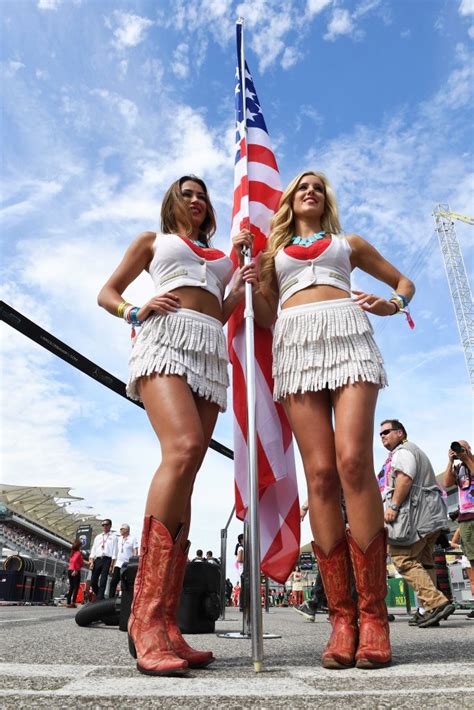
x=460, y=472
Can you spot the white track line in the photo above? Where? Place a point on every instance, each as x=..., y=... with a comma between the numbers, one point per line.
x=83, y=682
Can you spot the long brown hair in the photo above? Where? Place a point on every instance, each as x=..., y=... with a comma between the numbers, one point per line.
x=76, y=545
x=174, y=211
x=283, y=225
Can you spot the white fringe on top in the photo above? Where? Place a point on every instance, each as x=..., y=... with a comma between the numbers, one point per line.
x=184, y=343
x=324, y=345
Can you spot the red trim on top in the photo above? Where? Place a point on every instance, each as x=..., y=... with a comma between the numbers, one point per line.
x=204, y=253
x=311, y=252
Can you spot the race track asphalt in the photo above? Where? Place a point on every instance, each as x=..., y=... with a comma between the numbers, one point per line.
x=46, y=660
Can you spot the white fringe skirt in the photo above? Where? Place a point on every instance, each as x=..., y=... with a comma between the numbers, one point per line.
x=321, y=345
x=185, y=343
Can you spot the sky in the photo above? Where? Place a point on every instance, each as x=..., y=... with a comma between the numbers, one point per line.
x=105, y=103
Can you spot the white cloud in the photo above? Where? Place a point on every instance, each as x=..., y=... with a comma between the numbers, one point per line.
x=466, y=8
x=123, y=68
x=365, y=6
x=314, y=7
x=180, y=62
x=127, y=109
x=307, y=114
x=130, y=29
x=49, y=4
x=340, y=24
x=290, y=57
x=11, y=67
x=25, y=196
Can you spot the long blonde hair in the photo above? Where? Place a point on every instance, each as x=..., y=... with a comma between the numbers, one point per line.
x=282, y=228
x=174, y=211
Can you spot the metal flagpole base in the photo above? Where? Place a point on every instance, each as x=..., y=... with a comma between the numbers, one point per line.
x=240, y=635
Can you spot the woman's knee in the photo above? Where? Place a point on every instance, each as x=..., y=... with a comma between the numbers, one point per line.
x=185, y=454
x=323, y=482
x=355, y=471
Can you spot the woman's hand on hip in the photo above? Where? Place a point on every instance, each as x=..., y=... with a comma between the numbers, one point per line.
x=166, y=303
x=374, y=304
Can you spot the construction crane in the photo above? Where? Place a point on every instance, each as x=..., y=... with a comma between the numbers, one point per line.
x=458, y=281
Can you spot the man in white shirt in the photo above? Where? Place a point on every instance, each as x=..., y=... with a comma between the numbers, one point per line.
x=127, y=547
x=415, y=515
x=104, y=550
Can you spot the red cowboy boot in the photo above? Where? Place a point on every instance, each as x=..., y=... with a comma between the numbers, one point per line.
x=371, y=582
x=147, y=637
x=335, y=571
x=195, y=659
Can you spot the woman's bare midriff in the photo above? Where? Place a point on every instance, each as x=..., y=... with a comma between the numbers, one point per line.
x=313, y=294
x=197, y=299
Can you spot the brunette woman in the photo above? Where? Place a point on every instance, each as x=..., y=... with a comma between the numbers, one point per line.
x=178, y=369
x=328, y=371
x=76, y=561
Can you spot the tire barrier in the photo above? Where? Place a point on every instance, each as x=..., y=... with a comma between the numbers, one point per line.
x=105, y=611
x=127, y=581
x=200, y=604
x=17, y=563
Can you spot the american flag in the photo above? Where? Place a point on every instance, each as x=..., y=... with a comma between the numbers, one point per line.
x=257, y=191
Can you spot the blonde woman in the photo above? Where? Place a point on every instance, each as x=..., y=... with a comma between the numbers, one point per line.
x=178, y=369
x=327, y=373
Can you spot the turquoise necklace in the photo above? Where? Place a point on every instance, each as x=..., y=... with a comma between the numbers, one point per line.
x=307, y=241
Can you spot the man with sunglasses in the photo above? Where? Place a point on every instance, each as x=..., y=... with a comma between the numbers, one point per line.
x=460, y=472
x=104, y=550
x=412, y=495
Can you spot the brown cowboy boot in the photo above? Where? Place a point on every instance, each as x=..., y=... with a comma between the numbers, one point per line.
x=195, y=659
x=335, y=572
x=371, y=582
x=147, y=637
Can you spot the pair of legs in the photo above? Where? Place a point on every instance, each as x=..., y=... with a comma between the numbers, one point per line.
x=338, y=459
x=74, y=582
x=298, y=597
x=100, y=575
x=416, y=565
x=183, y=423
x=467, y=539
x=114, y=582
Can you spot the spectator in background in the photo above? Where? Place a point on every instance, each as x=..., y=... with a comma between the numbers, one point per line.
x=127, y=547
x=415, y=515
x=228, y=592
x=239, y=563
x=210, y=558
x=76, y=561
x=199, y=556
x=460, y=472
x=104, y=550
x=297, y=586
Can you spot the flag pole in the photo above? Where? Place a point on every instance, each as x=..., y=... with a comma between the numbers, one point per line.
x=253, y=517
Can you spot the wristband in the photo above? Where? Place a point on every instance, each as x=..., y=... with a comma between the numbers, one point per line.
x=402, y=302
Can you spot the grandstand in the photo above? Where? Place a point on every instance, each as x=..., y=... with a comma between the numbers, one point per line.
x=35, y=523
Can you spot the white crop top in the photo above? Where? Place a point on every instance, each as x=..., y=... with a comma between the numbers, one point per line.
x=331, y=268
x=178, y=261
